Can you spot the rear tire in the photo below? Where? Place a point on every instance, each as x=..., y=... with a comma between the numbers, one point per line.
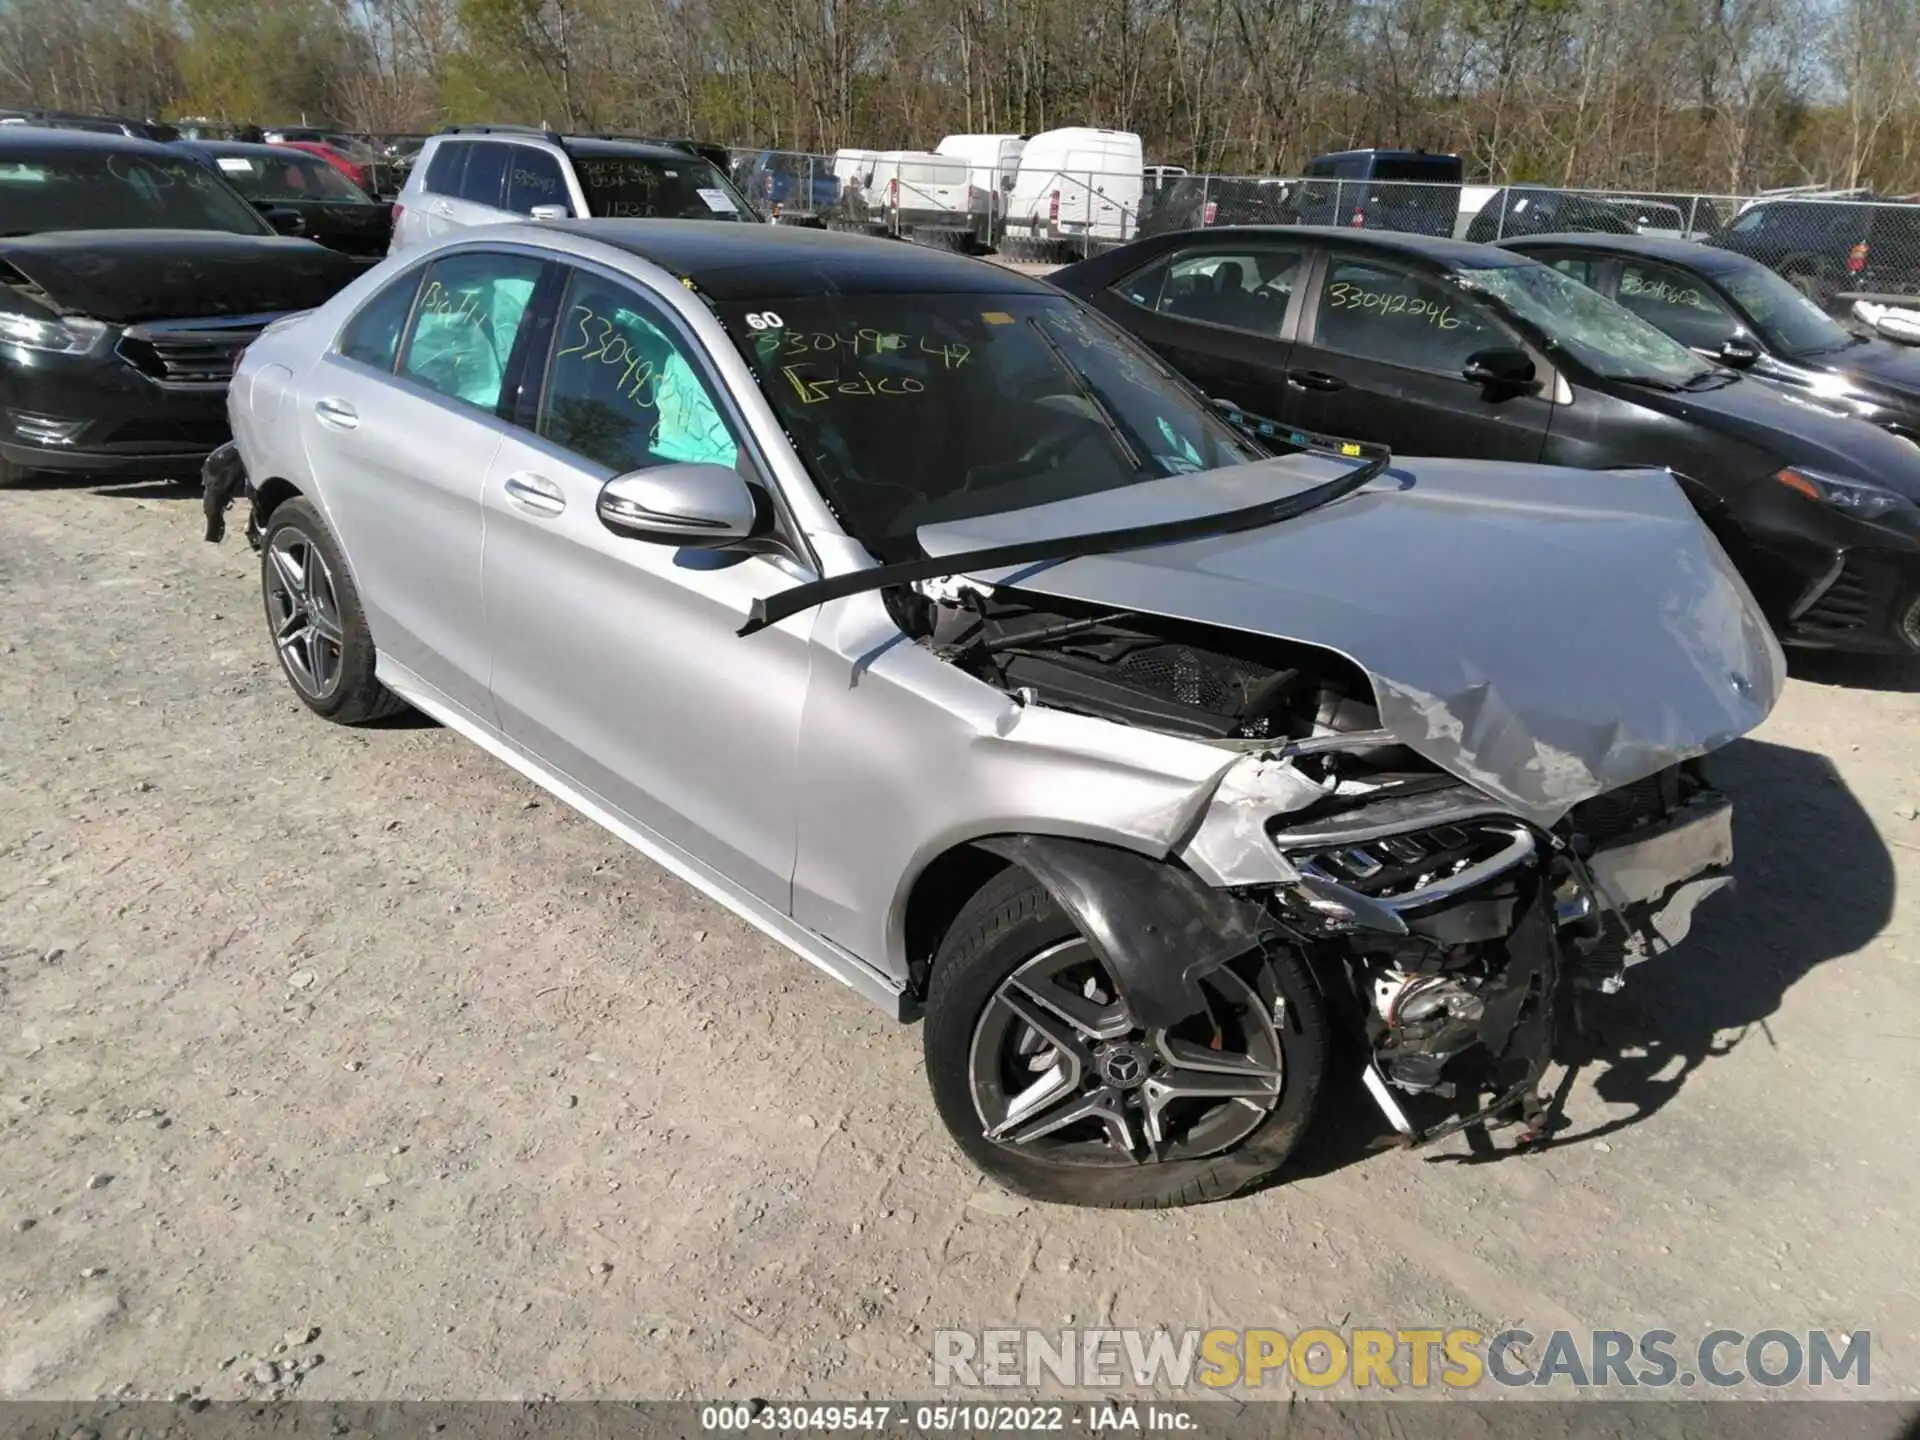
x=1013, y=925
x=314, y=616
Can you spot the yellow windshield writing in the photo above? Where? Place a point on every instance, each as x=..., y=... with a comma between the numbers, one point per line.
x=1344, y=295
x=596, y=339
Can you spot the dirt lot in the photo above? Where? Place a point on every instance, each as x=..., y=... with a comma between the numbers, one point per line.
x=356, y=1033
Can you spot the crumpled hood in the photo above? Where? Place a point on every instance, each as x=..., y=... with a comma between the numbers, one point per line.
x=127, y=276
x=1545, y=634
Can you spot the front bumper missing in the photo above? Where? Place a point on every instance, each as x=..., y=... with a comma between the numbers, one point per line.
x=1656, y=877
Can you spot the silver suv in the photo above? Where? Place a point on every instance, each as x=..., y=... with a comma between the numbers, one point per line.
x=488, y=174
x=929, y=623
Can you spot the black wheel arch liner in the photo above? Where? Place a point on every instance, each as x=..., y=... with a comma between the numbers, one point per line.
x=1157, y=926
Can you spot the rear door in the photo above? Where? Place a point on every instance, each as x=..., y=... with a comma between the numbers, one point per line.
x=1379, y=357
x=400, y=423
x=1095, y=197
x=1220, y=311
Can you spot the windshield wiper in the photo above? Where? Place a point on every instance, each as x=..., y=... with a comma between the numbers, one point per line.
x=772, y=609
x=1112, y=426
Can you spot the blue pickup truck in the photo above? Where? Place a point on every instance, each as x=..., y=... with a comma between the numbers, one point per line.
x=787, y=186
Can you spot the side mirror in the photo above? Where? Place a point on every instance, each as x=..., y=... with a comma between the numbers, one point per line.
x=1500, y=368
x=287, y=222
x=551, y=212
x=697, y=505
x=1739, y=351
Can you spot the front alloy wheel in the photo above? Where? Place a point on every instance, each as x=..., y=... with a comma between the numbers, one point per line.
x=1051, y=1085
x=1061, y=1069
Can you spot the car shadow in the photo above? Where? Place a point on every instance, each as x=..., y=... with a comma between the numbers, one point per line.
x=1815, y=884
x=1896, y=674
x=131, y=489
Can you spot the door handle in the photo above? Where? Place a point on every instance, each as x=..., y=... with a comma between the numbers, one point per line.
x=535, y=494
x=336, y=414
x=1314, y=380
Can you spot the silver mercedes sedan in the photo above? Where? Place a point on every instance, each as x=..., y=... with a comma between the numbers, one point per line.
x=1150, y=752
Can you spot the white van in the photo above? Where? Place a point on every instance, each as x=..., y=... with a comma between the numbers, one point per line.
x=916, y=192
x=994, y=161
x=1080, y=186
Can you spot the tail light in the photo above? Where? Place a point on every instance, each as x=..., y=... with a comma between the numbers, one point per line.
x=1857, y=258
x=893, y=193
x=1211, y=213
x=399, y=214
x=1053, y=209
x=1359, y=220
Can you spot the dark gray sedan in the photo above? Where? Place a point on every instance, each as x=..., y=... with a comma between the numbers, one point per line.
x=1735, y=310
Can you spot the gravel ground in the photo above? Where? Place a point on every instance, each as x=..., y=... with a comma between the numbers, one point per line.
x=355, y=1045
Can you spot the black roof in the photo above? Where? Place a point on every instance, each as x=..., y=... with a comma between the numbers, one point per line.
x=1443, y=249
x=753, y=261
x=603, y=145
x=1688, y=253
x=16, y=139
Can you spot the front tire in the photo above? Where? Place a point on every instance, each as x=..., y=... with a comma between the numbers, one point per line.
x=1045, y=1082
x=319, y=631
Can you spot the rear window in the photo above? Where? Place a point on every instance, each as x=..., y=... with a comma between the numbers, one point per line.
x=929, y=172
x=640, y=186
x=443, y=171
x=118, y=190
x=291, y=176
x=1436, y=169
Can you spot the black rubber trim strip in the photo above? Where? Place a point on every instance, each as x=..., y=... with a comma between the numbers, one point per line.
x=774, y=608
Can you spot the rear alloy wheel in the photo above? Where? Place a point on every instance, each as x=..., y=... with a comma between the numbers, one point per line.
x=1051, y=1084
x=313, y=611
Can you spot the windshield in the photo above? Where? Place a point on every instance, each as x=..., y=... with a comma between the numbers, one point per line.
x=623, y=186
x=910, y=410
x=1785, y=318
x=117, y=190
x=1608, y=339
x=289, y=176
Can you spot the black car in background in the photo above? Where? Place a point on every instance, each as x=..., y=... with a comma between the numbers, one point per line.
x=330, y=208
x=1440, y=347
x=1833, y=249
x=131, y=276
x=1738, y=312
x=1192, y=201
x=1531, y=210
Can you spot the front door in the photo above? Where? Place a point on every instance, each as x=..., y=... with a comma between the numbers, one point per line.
x=1380, y=358
x=615, y=661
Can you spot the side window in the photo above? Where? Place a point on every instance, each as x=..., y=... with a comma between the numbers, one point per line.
x=621, y=391
x=1583, y=268
x=1243, y=287
x=1678, y=303
x=469, y=314
x=534, y=178
x=1143, y=287
x=486, y=175
x=373, y=336
x=1749, y=222
x=443, y=171
x=1378, y=313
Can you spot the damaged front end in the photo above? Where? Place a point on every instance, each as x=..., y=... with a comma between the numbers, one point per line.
x=1452, y=932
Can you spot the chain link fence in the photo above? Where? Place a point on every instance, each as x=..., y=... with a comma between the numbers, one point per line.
x=1836, y=247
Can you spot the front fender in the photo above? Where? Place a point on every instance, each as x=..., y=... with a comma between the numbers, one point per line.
x=1156, y=926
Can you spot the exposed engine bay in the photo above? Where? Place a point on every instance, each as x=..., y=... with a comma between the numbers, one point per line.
x=1451, y=935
